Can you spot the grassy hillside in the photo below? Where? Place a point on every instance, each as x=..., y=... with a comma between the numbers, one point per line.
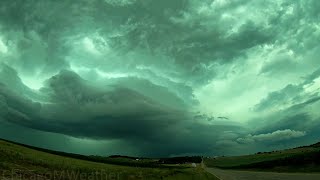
x=121, y=160
x=19, y=162
x=302, y=159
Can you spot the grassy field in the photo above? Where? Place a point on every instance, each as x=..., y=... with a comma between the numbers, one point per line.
x=18, y=162
x=302, y=159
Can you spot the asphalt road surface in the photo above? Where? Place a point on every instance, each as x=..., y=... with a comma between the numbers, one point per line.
x=250, y=175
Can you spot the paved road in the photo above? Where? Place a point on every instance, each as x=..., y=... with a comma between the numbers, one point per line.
x=248, y=175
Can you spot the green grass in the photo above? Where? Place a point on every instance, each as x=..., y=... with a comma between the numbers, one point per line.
x=303, y=159
x=21, y=162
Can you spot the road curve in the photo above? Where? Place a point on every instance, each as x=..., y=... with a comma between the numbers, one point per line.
x=250, y=175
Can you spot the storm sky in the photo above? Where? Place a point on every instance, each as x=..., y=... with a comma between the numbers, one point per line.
x=160, y=77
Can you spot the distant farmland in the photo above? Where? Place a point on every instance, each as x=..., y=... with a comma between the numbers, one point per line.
x=302, y=159
x=21, y=162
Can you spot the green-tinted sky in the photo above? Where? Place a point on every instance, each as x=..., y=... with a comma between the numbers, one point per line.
x=160, y=77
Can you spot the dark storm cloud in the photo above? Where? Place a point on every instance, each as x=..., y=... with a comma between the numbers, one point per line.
x=164, y=96
x=10, y=78
x=80, y=109
x=299, y=121
x=294, y=110
x=291, y=95
x=285, y=130
x=15, y=107
x=184, y=91
x=36, y=29
x=194, y=48
x=196, y=45
x=143, y=25
x=101, y=112
x=279, y=98
x=136, y=71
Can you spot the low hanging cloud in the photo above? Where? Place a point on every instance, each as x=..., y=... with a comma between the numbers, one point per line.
x=75, y=107
x=279, y=135
x=119, y=109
